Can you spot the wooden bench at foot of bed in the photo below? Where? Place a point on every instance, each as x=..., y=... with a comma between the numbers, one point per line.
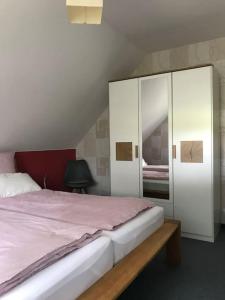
x=113, y=283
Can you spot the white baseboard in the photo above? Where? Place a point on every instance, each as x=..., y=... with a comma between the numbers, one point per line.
x=198, y=237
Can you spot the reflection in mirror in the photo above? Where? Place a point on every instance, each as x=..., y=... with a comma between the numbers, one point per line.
x=155, y=162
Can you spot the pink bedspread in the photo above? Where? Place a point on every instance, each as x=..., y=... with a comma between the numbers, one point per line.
x=29, y=244
x=37, y=229
x=95, y=211
x=158, y=168
x=155, y=175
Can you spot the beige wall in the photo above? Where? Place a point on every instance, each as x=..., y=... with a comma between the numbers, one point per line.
x=212, y=52
x=94, y=148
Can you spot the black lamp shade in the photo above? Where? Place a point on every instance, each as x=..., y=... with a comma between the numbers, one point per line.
x=78, y=174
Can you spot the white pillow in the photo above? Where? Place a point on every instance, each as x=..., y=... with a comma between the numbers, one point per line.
x=17, y=183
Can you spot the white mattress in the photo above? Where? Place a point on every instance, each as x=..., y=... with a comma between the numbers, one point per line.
x=70, y=276
x=134, y=232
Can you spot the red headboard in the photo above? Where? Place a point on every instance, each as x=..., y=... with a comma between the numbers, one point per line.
x=45, y=164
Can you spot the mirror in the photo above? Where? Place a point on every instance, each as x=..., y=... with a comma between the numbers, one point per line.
x=155, y=138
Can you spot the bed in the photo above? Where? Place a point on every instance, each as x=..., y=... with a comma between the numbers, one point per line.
x=133, y=233
x=40, y=227
x=156, y=181
x=75, y=273
x=115, y=281
x=70, y=276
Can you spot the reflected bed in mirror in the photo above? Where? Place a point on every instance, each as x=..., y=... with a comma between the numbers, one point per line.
x=156, y=181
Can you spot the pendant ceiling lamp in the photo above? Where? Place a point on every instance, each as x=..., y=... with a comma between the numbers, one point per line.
x=85, y=11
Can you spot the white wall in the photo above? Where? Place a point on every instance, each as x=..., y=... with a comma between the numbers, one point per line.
x=53, y=75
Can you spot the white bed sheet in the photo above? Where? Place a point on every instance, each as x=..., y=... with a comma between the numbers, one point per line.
x=133, y=233
x=70, y=276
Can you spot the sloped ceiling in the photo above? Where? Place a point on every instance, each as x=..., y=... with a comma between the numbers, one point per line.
x=53, y=75
x=163, y=24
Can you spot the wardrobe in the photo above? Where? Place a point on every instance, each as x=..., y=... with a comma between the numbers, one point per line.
x=177, y=114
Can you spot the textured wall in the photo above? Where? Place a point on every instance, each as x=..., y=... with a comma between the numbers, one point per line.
x=191, y=55
x=155, y=147
x=94, y=147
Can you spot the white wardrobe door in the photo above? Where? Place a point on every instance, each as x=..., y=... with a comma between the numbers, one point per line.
x=124, y=125
x=192, y=117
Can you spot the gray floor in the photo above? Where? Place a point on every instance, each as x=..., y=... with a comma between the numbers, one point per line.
x=200, y=276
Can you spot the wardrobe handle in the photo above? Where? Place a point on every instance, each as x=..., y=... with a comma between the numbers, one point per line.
x=136, y=151
x=191, y=154
x=174, y=151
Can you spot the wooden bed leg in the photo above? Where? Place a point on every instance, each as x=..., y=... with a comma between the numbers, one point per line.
x=173, y=248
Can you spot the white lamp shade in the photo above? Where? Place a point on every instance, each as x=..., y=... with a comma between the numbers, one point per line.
x=85, y=11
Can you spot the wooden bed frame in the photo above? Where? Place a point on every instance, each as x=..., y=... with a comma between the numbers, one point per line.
x=114, y=282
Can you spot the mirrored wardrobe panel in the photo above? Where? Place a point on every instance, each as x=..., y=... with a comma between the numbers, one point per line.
x=155, y=135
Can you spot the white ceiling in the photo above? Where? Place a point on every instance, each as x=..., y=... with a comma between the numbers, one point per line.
x=54, y=75
x=163, y=24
